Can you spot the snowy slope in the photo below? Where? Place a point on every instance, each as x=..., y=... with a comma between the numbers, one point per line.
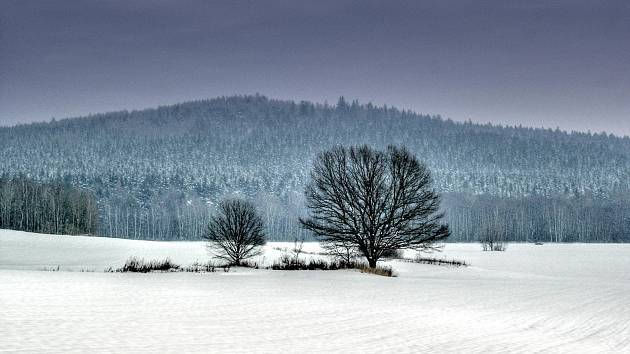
x=550, y=298
x=25, y=250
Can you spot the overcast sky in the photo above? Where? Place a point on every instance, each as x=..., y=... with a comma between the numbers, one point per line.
x=535, y=63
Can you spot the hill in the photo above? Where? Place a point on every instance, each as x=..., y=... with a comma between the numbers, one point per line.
x=155, y=172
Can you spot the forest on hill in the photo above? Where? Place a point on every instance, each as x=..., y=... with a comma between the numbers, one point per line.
x=157, y=173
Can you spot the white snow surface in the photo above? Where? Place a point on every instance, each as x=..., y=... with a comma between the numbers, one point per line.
x=556, y=298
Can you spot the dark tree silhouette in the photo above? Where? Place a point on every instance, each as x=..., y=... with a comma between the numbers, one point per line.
x=236, y=232
x=378, y=201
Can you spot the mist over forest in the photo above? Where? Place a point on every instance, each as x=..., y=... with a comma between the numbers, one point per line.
x=158, y=173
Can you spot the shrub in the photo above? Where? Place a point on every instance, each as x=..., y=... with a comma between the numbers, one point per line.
x=493, y=240
x=494, y=245
x=249, y=264
x=342, y=251
x=207, y=267
x=288, y=263
x=138, y=265
x=385, y=271
x=50, y=269
x=437, y=261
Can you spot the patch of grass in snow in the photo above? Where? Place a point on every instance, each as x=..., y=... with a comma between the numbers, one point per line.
x=248, y=264
x=436, y=261
x=208, y=267
x=291, y=263
x=50, y=269
x=288, y=262
x=385, y=271
x=138, y=265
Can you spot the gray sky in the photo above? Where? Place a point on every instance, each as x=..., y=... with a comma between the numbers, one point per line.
x=536, y=63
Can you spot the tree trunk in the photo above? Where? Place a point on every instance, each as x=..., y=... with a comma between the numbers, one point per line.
x=372, y=262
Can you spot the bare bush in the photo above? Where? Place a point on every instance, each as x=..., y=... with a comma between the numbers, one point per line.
x=139, y=265
x=298, y=247
x=437, y=261
x=208, y=267
x=286, y=263
x=385, y=271
x=341, y=251
x=492, y=240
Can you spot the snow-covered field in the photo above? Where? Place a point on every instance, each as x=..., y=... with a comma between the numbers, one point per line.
x=553, y=298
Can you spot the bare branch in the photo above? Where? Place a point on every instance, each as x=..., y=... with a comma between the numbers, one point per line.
x=372, y=201
x=236, y=232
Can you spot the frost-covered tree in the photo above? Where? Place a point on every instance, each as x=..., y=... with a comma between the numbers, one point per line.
x=154, y=172
x=236, y=231
x=377, y=201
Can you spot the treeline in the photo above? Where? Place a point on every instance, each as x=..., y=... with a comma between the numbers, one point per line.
x=53, y=208
x=470, y=217
x=175, y=215
x=538, y=219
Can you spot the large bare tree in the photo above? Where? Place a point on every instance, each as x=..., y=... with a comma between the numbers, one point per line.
x=377, y=201
x=236, y=232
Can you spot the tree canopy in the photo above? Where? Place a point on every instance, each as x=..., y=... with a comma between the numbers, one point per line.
x=376, y=201
x=236, y=231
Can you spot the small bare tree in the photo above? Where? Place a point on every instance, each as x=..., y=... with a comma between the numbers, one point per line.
x=292, y=257
x=236, y=232
x=492, y=240
x=493, y=235
x=341, y=251
x=298, y=248
x=375, y=201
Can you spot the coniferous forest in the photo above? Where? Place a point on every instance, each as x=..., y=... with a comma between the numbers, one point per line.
x=157, y=173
